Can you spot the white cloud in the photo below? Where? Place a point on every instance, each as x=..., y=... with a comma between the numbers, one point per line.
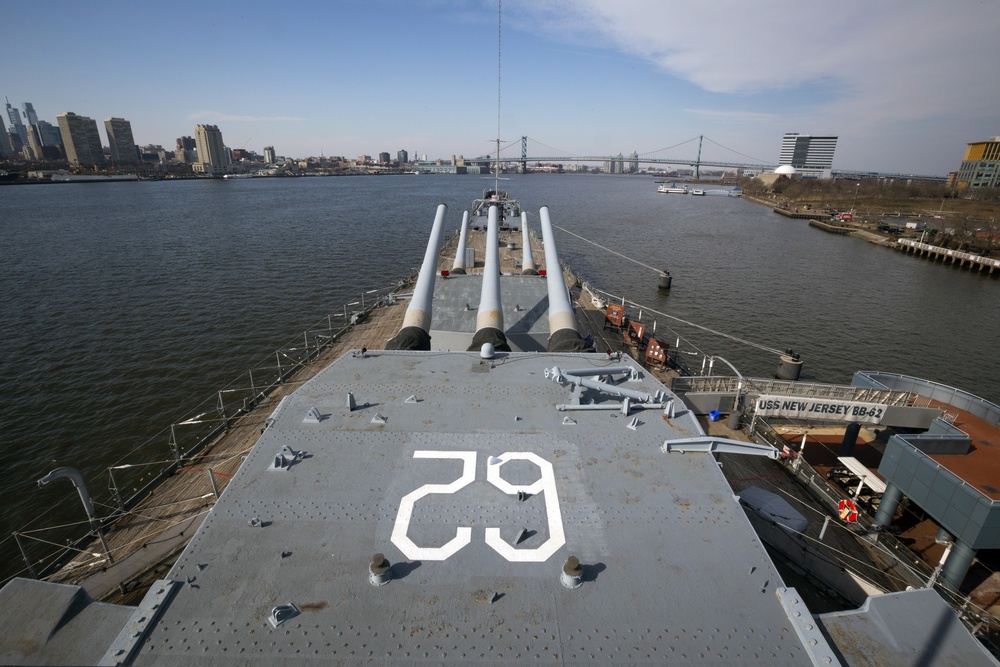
x=850, y=66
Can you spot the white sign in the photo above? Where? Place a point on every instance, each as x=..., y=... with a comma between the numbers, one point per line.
x=820, y=408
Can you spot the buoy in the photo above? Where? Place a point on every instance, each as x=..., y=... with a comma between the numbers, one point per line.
x=665, y=280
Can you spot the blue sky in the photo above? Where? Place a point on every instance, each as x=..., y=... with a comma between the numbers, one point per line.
x=904, y=84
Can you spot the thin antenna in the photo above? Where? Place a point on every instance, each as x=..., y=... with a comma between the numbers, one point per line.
x=496, y=185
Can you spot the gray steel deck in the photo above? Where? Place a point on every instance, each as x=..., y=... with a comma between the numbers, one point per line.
x=665, y=548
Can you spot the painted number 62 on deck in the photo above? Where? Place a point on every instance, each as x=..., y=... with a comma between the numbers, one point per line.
x=545, y=485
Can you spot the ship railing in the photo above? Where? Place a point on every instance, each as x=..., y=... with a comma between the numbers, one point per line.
x=683, y=355
x=47, y=547
x=768, y=387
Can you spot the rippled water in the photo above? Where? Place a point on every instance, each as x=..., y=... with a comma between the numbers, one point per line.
x=126, y=304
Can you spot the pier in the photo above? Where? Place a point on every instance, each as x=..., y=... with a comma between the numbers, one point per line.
x=944, y=255
x=832, y=229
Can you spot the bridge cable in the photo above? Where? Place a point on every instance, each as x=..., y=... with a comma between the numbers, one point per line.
x=749, y=157
x=672, y=317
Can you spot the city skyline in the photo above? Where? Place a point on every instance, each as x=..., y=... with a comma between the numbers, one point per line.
x=905, y=86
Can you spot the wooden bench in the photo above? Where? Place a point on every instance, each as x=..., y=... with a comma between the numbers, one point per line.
x=656, y=354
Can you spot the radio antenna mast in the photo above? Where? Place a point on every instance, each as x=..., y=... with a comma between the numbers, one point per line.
x=496, y=186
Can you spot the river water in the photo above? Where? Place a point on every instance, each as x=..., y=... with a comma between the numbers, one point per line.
x=126, y=304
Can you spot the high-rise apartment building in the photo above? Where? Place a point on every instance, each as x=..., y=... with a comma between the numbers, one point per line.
x=811, y=156
x=212, y=158
x=402, y=157
x=81, y=140
x=120, y=140
x=269, y=155
x=981, y=165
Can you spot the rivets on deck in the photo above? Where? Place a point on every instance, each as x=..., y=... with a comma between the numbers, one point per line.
x=572, y=573
x=379, y=571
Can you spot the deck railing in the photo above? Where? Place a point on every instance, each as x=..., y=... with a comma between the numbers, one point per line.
x=45, y=549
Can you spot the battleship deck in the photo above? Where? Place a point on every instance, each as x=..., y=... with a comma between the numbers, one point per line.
x=156, y=529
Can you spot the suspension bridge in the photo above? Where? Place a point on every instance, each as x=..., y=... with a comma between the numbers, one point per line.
x=696, y=152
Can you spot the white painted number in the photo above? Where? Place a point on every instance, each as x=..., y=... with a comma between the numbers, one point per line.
x=545, y=485
x=464, y=534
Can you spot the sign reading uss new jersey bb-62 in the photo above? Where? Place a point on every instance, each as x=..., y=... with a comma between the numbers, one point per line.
x=820, y=408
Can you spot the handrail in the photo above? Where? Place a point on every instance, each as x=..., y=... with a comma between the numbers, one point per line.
x=189, y=435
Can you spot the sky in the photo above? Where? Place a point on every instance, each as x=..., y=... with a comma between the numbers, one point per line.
x=904, y=84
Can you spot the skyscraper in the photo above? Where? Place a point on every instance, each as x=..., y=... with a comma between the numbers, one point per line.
x=49, y=134
x=81, y=140
x=402, y=157
x=811, y=156
x=120, y=139
x=34, y=144
x=269, y=154
x=16, y=125
x=4, y=142
x=212, y=157
x=29, y=113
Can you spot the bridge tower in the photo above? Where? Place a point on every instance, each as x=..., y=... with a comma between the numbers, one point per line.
x=697, y=164
x=524, y=154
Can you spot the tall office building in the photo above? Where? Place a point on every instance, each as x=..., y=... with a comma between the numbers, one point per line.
x=269, y=155
x=49, y=134
x=34, y=144
x=981, y=165
x=29, y=113
x=402, y=157
x=4, y=141
x=212, y=158
x=120, y=139
x=811, y=156
x=81, y=140
x=16, y=125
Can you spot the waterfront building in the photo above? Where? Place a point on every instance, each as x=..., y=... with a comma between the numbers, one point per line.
x=811, y=156
x=383, y=157
x=269, y=155
x=16, y=125
x=81, y=140
x=212, y=155
x=981, y=165
x=120, y=139
x=402, y=157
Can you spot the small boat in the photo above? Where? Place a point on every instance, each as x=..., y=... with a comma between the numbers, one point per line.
x=673, y=189
x=698, y=193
